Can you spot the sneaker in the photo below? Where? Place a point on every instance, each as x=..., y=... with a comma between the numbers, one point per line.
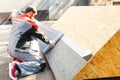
x=42, y=66
x=12, y=71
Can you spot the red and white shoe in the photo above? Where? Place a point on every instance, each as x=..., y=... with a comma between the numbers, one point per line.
x=12, y=71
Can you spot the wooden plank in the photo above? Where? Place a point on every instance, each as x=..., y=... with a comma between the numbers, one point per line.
x=90, y=27
x=105, y=63
x=64, y=60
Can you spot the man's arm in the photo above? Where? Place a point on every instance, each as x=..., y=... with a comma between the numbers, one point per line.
x=40, y=35
x=44, y=38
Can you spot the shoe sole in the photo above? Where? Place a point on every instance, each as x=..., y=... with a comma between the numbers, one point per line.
x=10, y=76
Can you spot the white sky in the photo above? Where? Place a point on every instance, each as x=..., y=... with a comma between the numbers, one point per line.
x=9, y=5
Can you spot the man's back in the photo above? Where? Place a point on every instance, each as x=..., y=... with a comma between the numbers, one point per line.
x=19, y=27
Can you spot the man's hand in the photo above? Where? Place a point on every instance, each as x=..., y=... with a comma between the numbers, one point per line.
x=52, y=43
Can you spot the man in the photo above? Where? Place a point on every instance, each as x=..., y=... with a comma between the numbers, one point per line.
x=25, y=29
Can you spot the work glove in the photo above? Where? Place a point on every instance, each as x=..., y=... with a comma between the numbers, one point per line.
x=52, y=43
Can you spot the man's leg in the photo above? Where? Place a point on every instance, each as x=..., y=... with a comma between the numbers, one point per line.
x=32, y=63
x=34, y=46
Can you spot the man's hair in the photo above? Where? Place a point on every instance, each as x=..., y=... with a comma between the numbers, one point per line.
x=28, y=9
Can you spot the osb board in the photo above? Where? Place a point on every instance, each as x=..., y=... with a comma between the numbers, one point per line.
x=106, y=63
x=90, y=27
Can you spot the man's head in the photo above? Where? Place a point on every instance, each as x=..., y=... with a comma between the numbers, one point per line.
x=31, y=11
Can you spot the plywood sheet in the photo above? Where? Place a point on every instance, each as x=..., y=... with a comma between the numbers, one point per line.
x=90, y=26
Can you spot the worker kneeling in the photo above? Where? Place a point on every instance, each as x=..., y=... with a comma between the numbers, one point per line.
x=25, y=29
